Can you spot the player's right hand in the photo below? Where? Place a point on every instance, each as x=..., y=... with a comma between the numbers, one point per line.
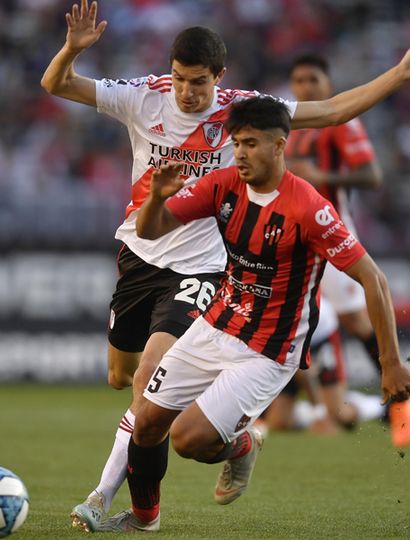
x=166, y=181
x=82, y=32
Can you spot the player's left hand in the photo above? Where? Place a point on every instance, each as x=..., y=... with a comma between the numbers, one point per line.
x=167, y=181
x=308, y=171
x=395, y=383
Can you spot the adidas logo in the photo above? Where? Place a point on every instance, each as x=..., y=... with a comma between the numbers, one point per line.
x=157, y=130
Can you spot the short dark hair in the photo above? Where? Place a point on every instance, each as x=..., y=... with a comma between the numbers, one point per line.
x=262, y=112
x=199, y=45
x=311, y=59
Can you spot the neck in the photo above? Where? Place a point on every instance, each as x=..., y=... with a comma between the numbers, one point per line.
x=272, y=183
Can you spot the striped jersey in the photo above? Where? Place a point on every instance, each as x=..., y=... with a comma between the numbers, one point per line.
x=333, y=148
x=277, y=245
x=159, y=131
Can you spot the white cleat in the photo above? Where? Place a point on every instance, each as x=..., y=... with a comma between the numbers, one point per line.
x=236, y=473
x=127, y=521
x=89, y=514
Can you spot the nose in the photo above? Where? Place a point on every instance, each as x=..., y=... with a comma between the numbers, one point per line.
x=186, y=91
x=240, y=152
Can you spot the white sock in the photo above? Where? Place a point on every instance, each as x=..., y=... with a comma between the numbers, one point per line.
x=115, y=470
x=368, y=406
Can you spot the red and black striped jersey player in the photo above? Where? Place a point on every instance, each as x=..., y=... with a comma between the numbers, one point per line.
x=236, y=358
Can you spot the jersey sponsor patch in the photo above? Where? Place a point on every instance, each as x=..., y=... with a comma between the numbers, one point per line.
x=324, y=217
x=347, y=243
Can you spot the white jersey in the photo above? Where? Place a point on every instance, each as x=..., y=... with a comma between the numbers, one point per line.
x=159, y=131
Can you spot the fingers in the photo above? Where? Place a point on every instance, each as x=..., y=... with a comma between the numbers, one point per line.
x=70, y=21
x=75, y=13
x=84, y=8
x=92, y=14
x=101, y=27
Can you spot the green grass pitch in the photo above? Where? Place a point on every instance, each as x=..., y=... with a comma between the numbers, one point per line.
x=354, y=485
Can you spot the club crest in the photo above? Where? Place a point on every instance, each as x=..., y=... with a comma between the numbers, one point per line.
x=213, y=133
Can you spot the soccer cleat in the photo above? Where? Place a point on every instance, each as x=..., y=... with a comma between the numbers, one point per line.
x=127, y=521
x=399, y=415
x=236, y=473
x=89, y=514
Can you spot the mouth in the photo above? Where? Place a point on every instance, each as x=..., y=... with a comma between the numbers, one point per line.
x=187, y=103
x=243, y=168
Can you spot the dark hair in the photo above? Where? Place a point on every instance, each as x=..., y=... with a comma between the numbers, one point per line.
x=262, y=112
x=311, y=60
x=199, y=45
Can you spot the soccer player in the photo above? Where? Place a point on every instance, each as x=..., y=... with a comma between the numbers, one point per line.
x=336, y=159
x=235, y=359
x=164, y=284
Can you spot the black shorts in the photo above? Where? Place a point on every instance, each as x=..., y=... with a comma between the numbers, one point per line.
x=149, y=299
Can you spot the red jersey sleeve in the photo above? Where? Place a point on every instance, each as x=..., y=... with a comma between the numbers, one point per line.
x=353, y=143
x=195, y=201
x=327, y=235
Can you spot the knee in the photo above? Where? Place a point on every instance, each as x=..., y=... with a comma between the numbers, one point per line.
x=185, y=443
x=145, y=370
x=118, y=379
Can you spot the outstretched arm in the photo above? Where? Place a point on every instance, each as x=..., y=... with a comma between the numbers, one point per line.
x=154, y=219
x=395, y=376
x=60, y=78
x=349, y=104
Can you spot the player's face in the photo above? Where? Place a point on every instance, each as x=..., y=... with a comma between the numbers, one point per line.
x=259, y=156
x=309, y=83
x=194, y=86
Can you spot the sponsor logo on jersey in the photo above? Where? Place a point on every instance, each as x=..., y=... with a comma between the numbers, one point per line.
x=245, y=310
x=225, y=212
x=331, y=230
x=158, y=130
x=243, y=422
x=273, y=234
x=324, y=217
x=213, y=133
x=248, y=264
x=196, y=163
x=253, y=288
x=347, y=243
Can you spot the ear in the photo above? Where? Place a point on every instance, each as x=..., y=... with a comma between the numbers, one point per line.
x=280, y=145
x=220, y=75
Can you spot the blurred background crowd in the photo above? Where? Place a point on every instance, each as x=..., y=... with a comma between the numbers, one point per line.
x=65, y=170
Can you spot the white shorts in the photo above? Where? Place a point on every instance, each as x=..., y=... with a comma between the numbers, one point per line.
x=343, y=292
x=231, y=383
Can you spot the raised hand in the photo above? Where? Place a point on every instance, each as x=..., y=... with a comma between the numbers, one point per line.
x=166, y=181
x=82, y=32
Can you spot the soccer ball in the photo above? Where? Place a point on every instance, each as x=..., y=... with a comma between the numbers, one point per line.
x=13, y=502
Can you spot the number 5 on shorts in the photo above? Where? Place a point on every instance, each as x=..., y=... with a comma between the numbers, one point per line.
x=157, y=379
